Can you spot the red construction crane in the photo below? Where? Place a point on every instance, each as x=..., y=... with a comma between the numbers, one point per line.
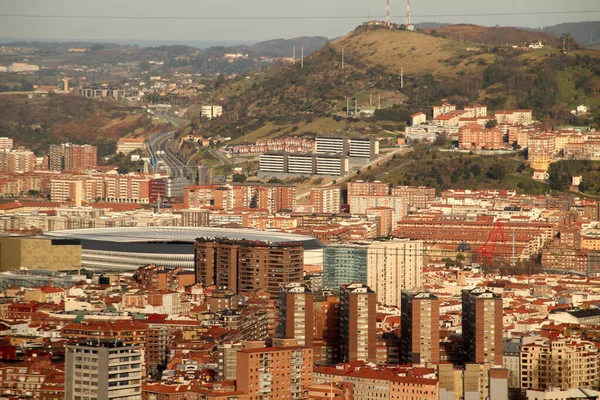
x=487, y=252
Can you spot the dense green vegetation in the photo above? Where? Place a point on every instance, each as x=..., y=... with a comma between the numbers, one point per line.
x=450, y=170
x=561, y=174
x=39, y=122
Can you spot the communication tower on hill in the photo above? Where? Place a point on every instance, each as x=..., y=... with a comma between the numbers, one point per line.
x=407, y=12
x=387, y=13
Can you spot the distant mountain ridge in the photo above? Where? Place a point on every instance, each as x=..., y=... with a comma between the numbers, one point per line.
x=493, y=35
x=585, y=33
x=283, y=47
x=273, y=48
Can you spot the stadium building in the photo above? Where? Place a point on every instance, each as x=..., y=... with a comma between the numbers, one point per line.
x=121, y=249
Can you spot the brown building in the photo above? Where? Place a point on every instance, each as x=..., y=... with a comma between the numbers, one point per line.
x=357, y=323
x=296, y=314
x=420, y=339
x=482, y=326
x=72, y=157
x=385, y=216
x=417, y=196
x=202, y=196
x=128, y=332
x=361, y=188
x=325, y=200
x=161, y=278
x=222, y=299
x=275, y=372
x=247, y=265
x=474, y=136
x=326, y=340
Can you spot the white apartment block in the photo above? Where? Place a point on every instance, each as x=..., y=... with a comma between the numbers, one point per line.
x=270, y=162
x=360, y=204
x=300, y=164
x=103, y=370
x=330, y=165
x=363, y=148
x=6, y=143
x=304, y=164
x=393, y=266
x=325, y=200
x=332, y=145
x=443, y=109
x=210, y=112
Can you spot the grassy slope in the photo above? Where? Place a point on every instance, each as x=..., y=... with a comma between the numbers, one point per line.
x=495, y=36
x=435, y=169
x=416, y=52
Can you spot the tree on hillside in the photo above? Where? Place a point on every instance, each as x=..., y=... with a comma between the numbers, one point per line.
x=567, y=42
x=144, y=65
x=497, y=172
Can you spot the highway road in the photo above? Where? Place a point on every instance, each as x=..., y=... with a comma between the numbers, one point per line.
x=158, y=147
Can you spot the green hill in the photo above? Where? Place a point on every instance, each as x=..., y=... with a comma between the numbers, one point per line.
x=546, y=80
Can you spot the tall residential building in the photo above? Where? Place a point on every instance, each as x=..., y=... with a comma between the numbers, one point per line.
x=6, y=143
x=325, y=200
x=561, y=363
x=248, y=265
x=18, y=161
x=482, y=326
x=72, y=157
x=354, y=147
x=67, y=190
x=326, y=339
x=344, y=264
x=306, y=164
x=360, y=205
x=362, y=188
x=275, y=372
x=332, y=145
x=385, y=217
x=393, y=265
x=357, y=326
x=386, y=266
x=420, y=338
x=296, y=314
x=227, y=358
x=417, y=196
x=103, y=370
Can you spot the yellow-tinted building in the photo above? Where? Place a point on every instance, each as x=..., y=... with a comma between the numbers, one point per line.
x=37, y=253
x=590, y=242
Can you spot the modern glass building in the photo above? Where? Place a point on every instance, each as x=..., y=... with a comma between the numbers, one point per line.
x=344, y=264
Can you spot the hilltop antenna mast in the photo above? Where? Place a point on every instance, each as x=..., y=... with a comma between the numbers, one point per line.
x=407, y=12
x=294, y=55
x=387, y=13
x=342, y=58
x=401, y=77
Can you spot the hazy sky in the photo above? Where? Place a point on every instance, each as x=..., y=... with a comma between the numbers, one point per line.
x=259, y=29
